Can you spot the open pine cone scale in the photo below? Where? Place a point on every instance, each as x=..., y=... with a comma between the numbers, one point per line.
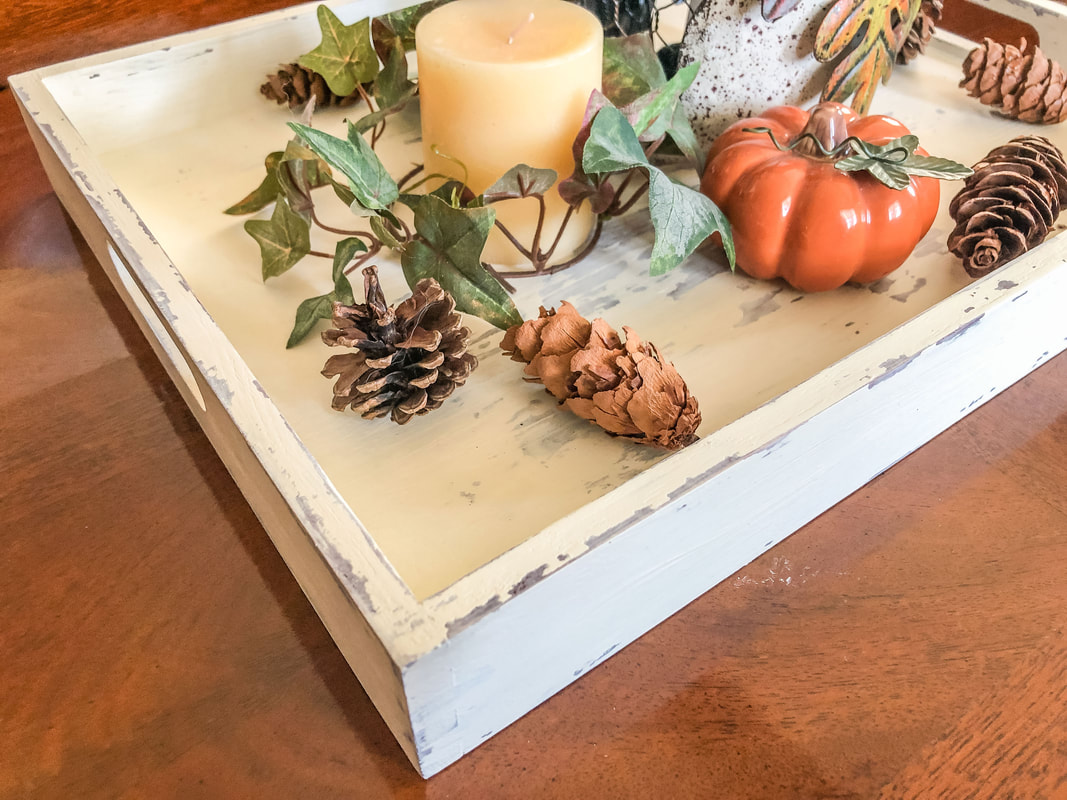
x=407, y=360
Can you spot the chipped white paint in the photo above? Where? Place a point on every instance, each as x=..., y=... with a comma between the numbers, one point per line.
x=534, y=546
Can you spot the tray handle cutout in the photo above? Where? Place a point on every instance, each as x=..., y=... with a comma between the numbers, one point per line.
x=175, y=354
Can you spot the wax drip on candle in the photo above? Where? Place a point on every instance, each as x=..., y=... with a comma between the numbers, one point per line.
x=519, y=27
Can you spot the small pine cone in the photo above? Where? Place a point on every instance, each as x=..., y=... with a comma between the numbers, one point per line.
x=1009, y=204
x=921, y=30
x=625, y=388
x=1028, y=87
x=408, y=359
x=295, y=85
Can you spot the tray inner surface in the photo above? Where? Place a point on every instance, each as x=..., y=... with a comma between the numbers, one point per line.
x=183, y=133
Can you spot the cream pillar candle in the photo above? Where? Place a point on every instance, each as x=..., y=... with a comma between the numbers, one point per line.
x=505, y=82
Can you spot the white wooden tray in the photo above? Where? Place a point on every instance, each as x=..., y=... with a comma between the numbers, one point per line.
x=471, y=564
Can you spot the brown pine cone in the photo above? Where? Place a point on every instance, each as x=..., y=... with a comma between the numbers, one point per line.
x=1009, y=204
x=921, y=30
x=625, y=388
x=408, y=359
x=295, y=85
x=1028, y=87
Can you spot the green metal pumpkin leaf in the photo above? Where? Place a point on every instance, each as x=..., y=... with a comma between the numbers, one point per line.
x=898, y=149
x=895, y=163
x=866, y=35
x=345, y=57
x=889, y=174
x=930, y=167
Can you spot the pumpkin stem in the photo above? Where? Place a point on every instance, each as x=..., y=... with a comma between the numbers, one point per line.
x=826, y=127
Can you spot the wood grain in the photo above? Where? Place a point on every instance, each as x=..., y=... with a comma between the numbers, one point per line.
x=908, y=643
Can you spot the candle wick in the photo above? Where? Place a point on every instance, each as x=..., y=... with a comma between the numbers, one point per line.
x=519, y=27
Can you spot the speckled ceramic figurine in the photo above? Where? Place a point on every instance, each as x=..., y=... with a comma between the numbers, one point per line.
x=749, y=63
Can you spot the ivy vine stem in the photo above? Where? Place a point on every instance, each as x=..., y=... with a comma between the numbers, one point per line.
x=340, y=231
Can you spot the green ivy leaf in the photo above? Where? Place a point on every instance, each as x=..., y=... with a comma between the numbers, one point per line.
x=652, y=114
x=393, y=90
x=343, y=254
x=371, y=184
x=682, y=218
x=612, y=144
x=315, y=308
x=398, y=27
x=448, y=249
x=452, y=192
x=660, y=112
x=684, y=137
x=521, y=180
x=631, y=68
x=345, y=57
x=385, y=236
x=264, y=194
x=283, y=240
x=300, y=171
x=579, y=186
x=634, y=81
x=307, y=314
x=344, y=194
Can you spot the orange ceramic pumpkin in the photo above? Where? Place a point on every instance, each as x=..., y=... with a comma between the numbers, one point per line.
x=795, y=216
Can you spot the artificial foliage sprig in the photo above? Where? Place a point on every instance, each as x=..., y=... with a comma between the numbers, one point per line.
x=638, y=114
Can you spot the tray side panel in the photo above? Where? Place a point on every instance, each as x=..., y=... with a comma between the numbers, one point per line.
x=510, y=660
x=360, y=645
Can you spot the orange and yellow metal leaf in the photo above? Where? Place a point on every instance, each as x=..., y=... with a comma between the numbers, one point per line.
x=866, y=35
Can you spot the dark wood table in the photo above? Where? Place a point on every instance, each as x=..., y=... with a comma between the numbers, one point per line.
x=909, y=643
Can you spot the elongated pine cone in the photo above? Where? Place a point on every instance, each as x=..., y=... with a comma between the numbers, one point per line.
x=1027, y=87
x=921, y=30
x=295, y=85
x=1009, y=204
x=625, y=388
x=407, y=359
